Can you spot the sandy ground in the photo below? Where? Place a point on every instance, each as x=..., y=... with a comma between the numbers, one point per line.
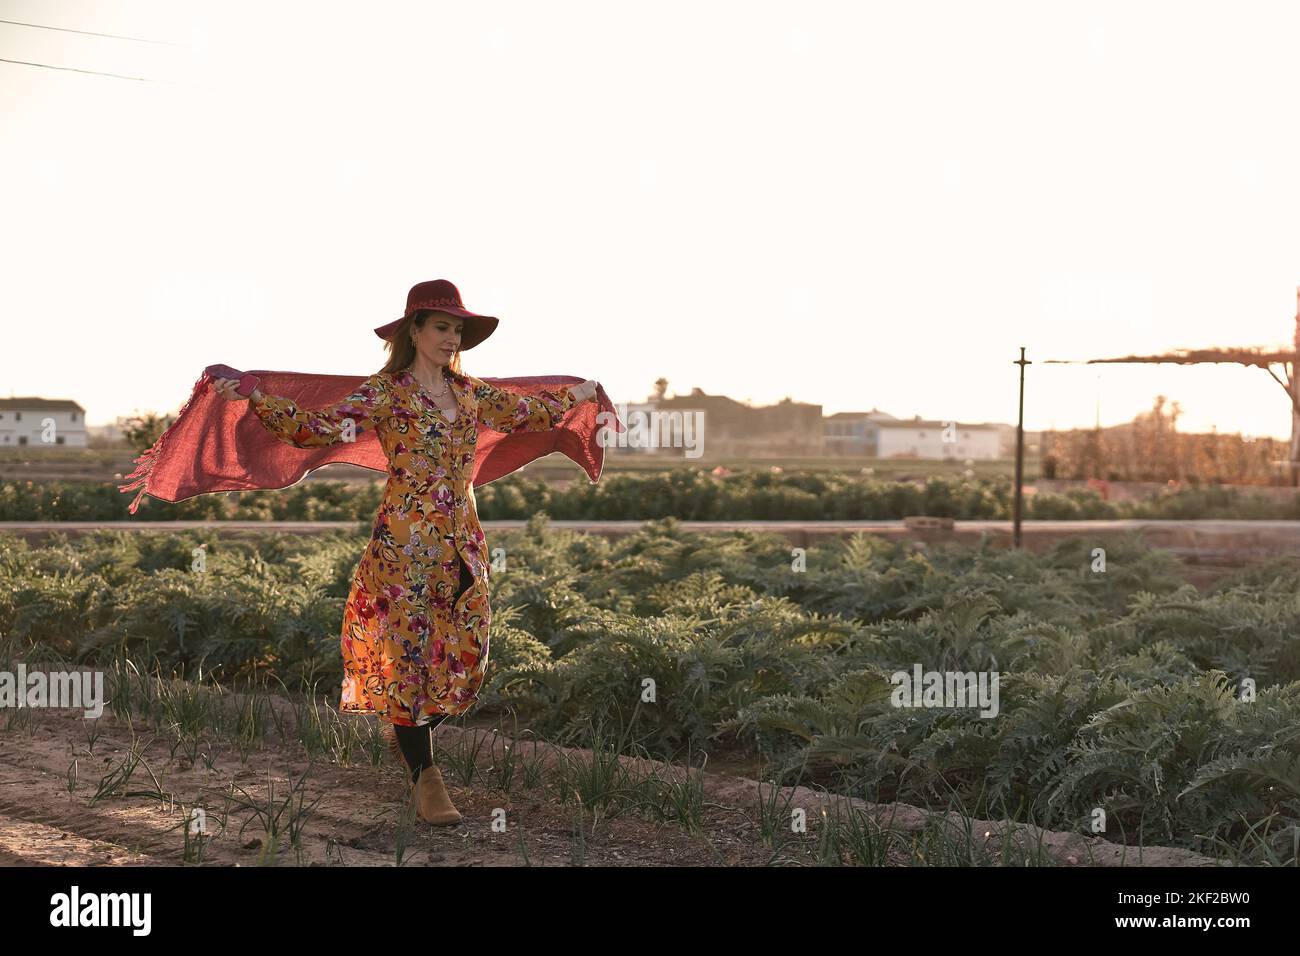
x=358, y=819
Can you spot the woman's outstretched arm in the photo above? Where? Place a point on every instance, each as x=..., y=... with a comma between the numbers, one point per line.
x=318, y=427
x=506, y=411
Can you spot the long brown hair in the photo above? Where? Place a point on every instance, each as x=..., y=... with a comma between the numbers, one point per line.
x=401, y=350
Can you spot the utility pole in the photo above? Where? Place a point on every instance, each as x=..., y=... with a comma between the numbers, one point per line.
x=1292, y=370
x=1020, y=453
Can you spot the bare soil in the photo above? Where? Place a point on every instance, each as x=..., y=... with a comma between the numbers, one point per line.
x=358, y=819
x=355, y=822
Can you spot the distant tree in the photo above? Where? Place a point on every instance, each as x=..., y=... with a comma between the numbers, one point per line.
x=141, y=431
x=661, y=387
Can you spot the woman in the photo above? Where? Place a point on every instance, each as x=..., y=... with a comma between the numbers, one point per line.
x=415, y=625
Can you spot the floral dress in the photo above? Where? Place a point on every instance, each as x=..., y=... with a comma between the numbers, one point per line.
x=412, y=649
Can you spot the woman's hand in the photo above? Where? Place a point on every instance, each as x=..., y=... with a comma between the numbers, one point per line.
x=227, y=388
x=584, y=391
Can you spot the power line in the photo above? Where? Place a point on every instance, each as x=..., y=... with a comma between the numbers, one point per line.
x=142, y=79
x=89, y=33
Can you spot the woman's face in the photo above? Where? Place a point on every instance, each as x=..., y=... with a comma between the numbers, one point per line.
x=439, y=339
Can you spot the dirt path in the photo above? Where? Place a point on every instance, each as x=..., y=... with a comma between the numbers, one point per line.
x=357, y=817
x=356, y=821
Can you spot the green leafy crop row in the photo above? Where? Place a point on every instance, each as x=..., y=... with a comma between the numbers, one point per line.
x=1120, y=689
x=688, y=495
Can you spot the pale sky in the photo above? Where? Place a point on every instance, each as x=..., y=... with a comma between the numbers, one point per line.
x=856, y=204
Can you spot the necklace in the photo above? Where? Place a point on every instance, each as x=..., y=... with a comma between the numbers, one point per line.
x=448, y=413
x=440, y=391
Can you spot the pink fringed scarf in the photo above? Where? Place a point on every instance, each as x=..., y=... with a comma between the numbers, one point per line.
x=220, y=445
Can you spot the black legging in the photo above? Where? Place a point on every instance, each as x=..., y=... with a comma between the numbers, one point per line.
x=417, y=742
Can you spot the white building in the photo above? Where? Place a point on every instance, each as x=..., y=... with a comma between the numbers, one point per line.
x=42, y=421
x=877, y=434
x=853, y=433
x=931, y=439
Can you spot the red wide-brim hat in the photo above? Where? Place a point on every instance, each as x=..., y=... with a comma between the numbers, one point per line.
x=442, y=296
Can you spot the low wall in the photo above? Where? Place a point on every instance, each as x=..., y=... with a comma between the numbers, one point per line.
x=1210, y=539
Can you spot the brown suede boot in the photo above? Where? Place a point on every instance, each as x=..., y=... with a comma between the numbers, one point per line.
x=432, y=803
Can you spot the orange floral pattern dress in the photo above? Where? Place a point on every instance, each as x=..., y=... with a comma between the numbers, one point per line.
x=411, y=649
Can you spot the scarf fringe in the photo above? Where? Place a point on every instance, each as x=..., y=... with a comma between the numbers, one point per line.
x=144, y=464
